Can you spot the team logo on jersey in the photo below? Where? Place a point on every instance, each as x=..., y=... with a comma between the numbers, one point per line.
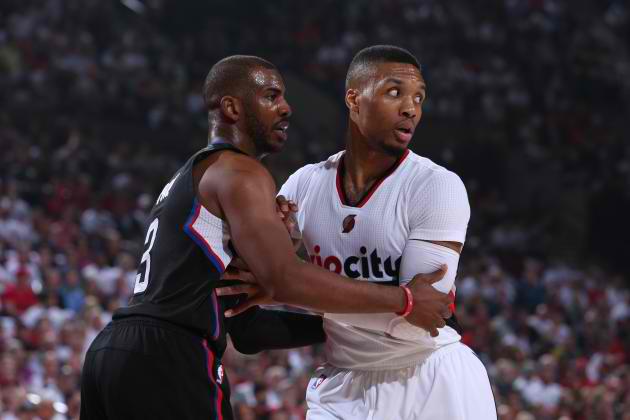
x=319, y=381
x=368, y=266
x=348, y=223
x=220, y=374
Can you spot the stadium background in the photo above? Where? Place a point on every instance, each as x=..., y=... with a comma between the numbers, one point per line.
x=528, y=100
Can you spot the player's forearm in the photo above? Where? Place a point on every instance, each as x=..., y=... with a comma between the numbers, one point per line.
x=309, y=286
x=418, y=257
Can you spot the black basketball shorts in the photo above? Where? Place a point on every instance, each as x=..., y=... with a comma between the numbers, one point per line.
x=141, y=368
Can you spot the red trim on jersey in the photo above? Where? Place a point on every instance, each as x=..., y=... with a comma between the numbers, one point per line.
x=373, y=188
x=219, y=394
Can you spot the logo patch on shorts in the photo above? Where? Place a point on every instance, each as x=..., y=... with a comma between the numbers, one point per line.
x=319, y=381
x=220, y=374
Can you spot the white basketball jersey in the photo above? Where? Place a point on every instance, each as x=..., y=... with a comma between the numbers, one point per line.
x=417, y=199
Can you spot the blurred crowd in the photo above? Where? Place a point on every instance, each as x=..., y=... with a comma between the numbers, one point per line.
x=527, y=102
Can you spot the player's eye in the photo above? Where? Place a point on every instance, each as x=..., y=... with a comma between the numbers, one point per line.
x=393, y=92
x=418, y=99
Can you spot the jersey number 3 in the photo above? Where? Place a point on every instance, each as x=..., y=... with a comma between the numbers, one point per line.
x=142, y=278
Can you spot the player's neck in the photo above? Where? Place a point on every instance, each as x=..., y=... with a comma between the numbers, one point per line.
x=362, y=165
x=230, y=134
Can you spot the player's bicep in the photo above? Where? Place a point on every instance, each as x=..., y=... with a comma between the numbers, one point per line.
x=423, y=257
x=248, y=202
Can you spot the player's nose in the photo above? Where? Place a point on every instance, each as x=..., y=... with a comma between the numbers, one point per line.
x=284, y=109
x=408, y=108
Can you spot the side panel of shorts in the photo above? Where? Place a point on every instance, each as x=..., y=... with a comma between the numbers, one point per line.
x=141, y=370
x=451, y=384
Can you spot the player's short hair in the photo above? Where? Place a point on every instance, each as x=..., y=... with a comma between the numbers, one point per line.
x=231, y=76
x=365, y=59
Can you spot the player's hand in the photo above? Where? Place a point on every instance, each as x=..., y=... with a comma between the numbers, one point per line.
x=256, y=295
x=431, y=307
x=233, y=272
x=286, y=209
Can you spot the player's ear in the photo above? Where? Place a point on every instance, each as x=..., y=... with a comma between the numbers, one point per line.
x=231, y=108
x=352, y=101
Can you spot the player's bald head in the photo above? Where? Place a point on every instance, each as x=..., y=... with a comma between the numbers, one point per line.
x=232, y=76
x=365, y=62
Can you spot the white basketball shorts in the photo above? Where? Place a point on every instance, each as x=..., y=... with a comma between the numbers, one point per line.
x=451, y=384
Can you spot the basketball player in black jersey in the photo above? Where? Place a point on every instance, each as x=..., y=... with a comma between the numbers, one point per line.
x=160, y=358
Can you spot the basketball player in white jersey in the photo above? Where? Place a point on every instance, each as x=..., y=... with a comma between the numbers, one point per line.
x=378, y=212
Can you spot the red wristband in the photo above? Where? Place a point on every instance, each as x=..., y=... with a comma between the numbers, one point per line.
x=452, y=305
x=409, y=304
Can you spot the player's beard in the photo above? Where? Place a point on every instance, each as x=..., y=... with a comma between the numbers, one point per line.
x=258, y=133
x=393, y=151
x=381, y=144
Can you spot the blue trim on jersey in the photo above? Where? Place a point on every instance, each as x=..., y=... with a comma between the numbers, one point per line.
x=188, y=228
x=214, y=259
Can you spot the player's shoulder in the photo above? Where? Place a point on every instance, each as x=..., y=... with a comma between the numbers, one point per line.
x=424, y=172
x=244, y=165
x=230, y=169
x=330, y=164
x=320, y=168
x=305, y=179
x=422, y=166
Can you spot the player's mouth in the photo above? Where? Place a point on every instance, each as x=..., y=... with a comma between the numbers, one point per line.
x=281, y=130
x=404, y=131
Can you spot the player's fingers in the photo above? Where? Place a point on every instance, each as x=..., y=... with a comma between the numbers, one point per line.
x=241, y=307
x=236, y=290
x=230, y=273
x=290, y=224
x=238, y=274
x=282, y=203
x=447, y=300
x=430, y=278
x=248, y=277
x=293, y=206
x=440, y=323
x=434, y=332
x=239, y=263
x=437, y=275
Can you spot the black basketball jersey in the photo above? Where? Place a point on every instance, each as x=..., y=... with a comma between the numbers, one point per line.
x=186, y=250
